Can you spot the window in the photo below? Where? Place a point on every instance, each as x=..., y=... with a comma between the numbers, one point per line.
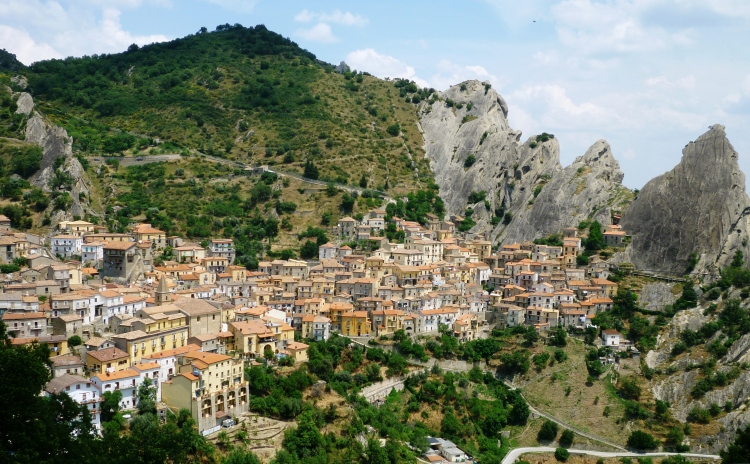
x=78, y=386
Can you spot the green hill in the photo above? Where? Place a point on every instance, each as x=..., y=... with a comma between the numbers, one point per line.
x=244, y=95
x=240, y=93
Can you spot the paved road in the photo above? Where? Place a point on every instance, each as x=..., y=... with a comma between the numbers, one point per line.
x=513, y=455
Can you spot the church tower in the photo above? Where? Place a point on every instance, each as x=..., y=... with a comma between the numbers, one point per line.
x=162, y=296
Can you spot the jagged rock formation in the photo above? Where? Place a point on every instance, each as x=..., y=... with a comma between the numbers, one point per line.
x=469, y=122
x=504, y=168
x=590, y=188
x=55, y=143
x=342, y=68
x=700, y=206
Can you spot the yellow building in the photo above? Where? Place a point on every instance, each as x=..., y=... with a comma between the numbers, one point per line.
x=355, y=324
x=107, y=360
x=255, y=336
x=297, y=351
x=387, y=321
x=335, y=310
x=139, y=343
x=211, y=386
x=239, y=273
x=144, y=232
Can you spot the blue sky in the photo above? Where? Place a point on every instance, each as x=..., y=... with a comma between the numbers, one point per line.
x=646, y=75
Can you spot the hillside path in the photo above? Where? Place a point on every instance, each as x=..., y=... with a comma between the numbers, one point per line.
x=514, y=454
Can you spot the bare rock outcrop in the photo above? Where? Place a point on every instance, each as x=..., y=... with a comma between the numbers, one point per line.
x=56, y=143
x=25, y=104
x=469, y=122
x=472, y=148
x=590, y=188
x=698, y=207
x=656, y=295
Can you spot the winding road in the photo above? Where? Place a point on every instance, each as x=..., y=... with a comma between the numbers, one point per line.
x=514, y=454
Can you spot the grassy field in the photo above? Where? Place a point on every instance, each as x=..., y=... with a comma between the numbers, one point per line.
x=562, y=390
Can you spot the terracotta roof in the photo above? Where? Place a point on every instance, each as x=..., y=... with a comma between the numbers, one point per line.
x=123, y=374
x=107, y=354
x=119, y=245
x=58, y=384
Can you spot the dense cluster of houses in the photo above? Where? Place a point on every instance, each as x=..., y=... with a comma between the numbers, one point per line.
x=190, y=322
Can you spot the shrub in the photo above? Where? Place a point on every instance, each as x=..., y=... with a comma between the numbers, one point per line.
x=393, y=130
x=561, y=454
x=548, y=432
x=469, y=161
x=566, y=438
x=641, y=440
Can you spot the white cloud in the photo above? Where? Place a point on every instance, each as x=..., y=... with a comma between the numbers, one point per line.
x=449, y=73
x=382, y=65
x=336, y=17
x=593, y=27
x=50, y=30
x=321, y=32
x=20, y=43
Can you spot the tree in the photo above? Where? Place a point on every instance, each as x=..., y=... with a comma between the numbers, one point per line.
x=548, y=432
x=675, y=436
x=147, y=397
x=517, y=362
x=595, y=240
x=394, y=129
x=347, y=203
x=561, y=454
x=363, y=181
x=739, y=451
x=451, y=427
x=566, y=438
x=519, y=414
x=110, y=404
x=629, y=388
x=560, y=337
x=74, y=341
x=26, y=415
x=531, y=336
x=311, y=171
x=641, y=440
x=309, y=250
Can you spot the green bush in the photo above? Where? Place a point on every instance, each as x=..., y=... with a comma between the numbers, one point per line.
x=641, y=440
x=469, y=161
x=561, y=454
x=548, y=432
x=566, y=438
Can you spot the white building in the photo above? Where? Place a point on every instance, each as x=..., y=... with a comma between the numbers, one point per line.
x=66, y=245
x=92, y=252
x=611, y=337
x=127, y=381
x=83, y=391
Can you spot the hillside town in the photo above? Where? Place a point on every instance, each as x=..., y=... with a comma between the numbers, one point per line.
x=189, y=324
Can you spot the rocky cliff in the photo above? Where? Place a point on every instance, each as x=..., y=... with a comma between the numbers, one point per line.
x=675, y=379
x=472, y=148
x=590, y=188
x=55, y=143
x=699, y=207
